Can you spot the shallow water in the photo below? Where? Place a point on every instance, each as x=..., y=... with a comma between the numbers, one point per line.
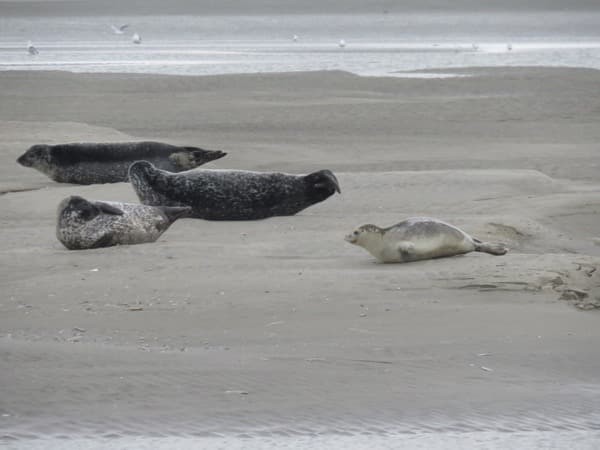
x=376, y=44
x=581, y=440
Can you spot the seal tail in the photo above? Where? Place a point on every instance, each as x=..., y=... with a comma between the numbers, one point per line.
x=193, y=157
x=493, y=248
x=328, y=178
x=175, y=212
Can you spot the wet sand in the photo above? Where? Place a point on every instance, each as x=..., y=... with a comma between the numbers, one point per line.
x=115, y=8
x=278, y=329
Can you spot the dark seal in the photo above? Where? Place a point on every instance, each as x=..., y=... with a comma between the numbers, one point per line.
x=91, y=163
x=84, y=224
x=232, y=194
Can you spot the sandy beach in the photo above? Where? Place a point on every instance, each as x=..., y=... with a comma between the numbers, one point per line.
x=278, y=329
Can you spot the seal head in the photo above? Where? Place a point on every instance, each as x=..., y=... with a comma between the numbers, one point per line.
x=37, y=156
x=79, y=210
x=363, y=234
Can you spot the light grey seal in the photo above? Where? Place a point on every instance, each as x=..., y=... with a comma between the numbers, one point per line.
x=84, y=224
x=418, y=238
x=91, y=163
x=232, y=194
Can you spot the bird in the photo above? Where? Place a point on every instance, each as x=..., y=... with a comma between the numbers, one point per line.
x=509, y=47
x=295, y=38
x=136, y=39
x=342, y=43
x=119, y=30
x=475, y=47
x=31, y=49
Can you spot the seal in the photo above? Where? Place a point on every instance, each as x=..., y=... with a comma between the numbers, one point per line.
x=91, y=163
x=418, y=238
x=84, y=224
x=232, y=194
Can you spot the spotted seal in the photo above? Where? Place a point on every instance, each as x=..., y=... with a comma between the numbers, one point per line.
x=418, y=238
x=232, y=194
x=84, y=224
x=91, y=163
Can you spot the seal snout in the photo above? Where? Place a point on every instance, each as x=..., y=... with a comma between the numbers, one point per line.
x=27, y=159
x=24, y=160
x=352, y=237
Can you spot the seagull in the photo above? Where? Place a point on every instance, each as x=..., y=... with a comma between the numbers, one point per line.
x=31, y=49
x=509, y=47
x=295, y=38
x=119, y=30
x=475, y=47
x=342, y=43
x=136, y=39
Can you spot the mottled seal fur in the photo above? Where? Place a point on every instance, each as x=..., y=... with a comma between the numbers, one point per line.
x=84, y=224
x=418, y=238
x=232, y=194
x=91, y=163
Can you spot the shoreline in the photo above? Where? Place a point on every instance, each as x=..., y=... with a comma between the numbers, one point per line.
x=15, y=8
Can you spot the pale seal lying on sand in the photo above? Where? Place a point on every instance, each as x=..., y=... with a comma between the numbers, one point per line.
x=84, y=224
x=418, y=238
x=90, y=163
x=232, y=194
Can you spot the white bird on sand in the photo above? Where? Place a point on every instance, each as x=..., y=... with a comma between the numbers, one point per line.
x=295, y=38
x=31, y=49
x=136, y=39
x=475, y=46
x=119, y=30
x=509, y=47
x=342, y=43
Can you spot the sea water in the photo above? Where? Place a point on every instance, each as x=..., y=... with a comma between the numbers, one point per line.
x=375, y=44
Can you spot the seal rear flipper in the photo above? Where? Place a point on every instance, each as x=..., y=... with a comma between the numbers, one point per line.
x=493, y=248
x=175, y=212
x=330, y=179
x=193, y=157
x=109, y=209
x=201, y=156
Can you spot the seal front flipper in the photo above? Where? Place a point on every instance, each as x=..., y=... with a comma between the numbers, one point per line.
x=105, y=241
x=406, y=250
x=109, y=209
x=193, y=157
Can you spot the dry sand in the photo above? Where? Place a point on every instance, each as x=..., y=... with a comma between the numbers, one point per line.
x=278, y=328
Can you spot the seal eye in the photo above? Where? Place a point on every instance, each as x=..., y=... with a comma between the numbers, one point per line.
x=356, y=233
